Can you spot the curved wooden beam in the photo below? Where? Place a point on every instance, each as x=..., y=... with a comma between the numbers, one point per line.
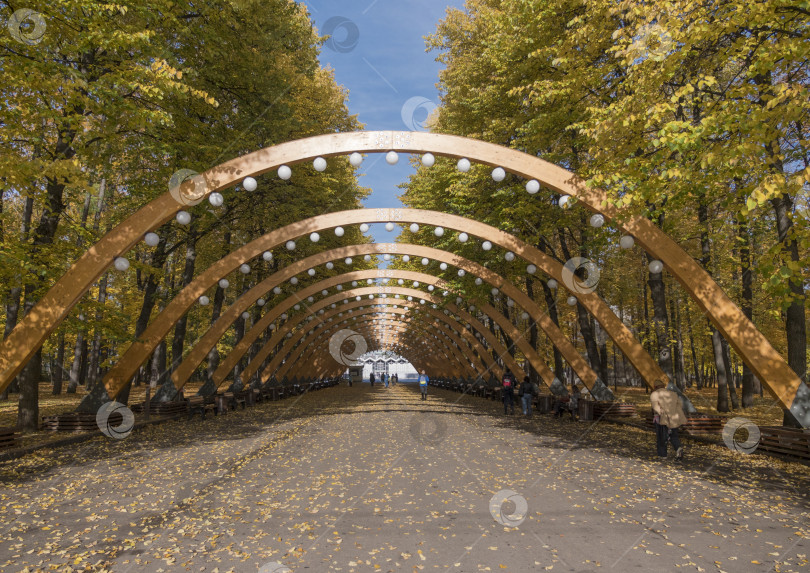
x=203, y=346
x=280, y=337
x=450, y=361
x=490, y=338
x=780, y=380
x=469, y=363
x=479, y=355
x=239, y=350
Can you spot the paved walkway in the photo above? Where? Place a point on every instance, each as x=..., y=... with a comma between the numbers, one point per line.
x=355, y=479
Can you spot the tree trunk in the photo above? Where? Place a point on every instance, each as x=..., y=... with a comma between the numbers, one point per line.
x=93, y=371
x=188, y=274
x=59, y=364
x=219, y=298
x=680, y=362
x=720, y=360
x=28, y=405
x=158, y=364
x=698, y=378
x=747, y=305
x=93, y=374
x=583, y=318
x=15, y=292
x=213, y=354
x=533, y=338
x=661, y=320
x=719, y=363
x=795, y=326
x=150, y=291
x=732, y=393
x=74, y=377
x=551, y=308
x=509, y=343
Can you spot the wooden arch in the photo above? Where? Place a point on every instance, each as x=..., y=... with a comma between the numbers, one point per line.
x=441, y=318
x=480, y=357
x=264, y=322
x=218, y=329
x=321, y=357
x=451, y=359
x=545, y=372
x=780, y=380
x=474, y=365
x=280, y=335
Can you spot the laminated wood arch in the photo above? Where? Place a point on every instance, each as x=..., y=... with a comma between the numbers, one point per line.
x=480, y=357
x=451, y=359
x=278, y=337
x=532, y=356
x=784, y=384
x=197, y=354
x=320, y=357
x=218, y=329
x=479, y=364
x=461, y=355
x=318, y=366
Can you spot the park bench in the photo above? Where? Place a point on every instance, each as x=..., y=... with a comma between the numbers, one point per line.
x=77, y=422
x=9, y=437
x=544, y=403
x=221, y=402
x=613, y=410
x=166, y=409
x=250, y=397
x=138, y=407
x=200, y=404
x=234, y=399
x=695, y=423
x=781, y=441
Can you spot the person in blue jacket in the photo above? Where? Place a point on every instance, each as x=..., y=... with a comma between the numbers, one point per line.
x=423, y=383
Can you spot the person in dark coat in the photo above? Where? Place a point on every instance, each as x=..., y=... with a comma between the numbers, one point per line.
x=508, y=391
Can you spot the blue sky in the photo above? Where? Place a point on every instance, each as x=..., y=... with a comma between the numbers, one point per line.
x=378, y=53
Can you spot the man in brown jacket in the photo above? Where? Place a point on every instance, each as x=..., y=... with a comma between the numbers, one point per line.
x=668, y=416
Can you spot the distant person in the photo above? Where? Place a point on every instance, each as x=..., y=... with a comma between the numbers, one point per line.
x=508, y=392
x=560, y=405
x=573, y=404
x=668, y=416
x=385, y=378
x=526, y=393
x=371, y=379
x=423, y=384
x=394, y=379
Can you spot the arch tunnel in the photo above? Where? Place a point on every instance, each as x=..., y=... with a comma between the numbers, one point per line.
x=462, y=328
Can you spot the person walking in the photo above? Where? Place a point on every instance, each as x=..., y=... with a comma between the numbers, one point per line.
x=668, y=416
x=508, y=391
x=394, y=379
x=526, y=393
x=423, y=384
x=371, y=379
x=385, y=379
